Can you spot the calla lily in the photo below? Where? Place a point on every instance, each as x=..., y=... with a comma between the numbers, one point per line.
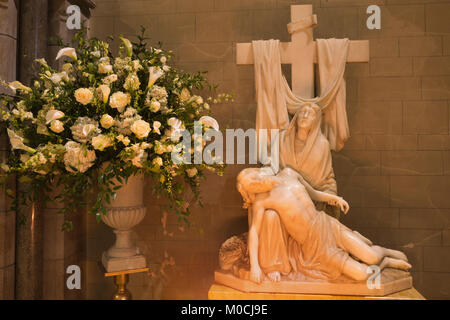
x=17, y=85
x=155, y=74
x=17, y=142
x=67, y=52
x=53, y=115
x=42, y=61
x=128, y=45
x=210, y=122
x=105, y=91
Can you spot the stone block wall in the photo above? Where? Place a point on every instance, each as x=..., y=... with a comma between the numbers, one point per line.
x=394, y=170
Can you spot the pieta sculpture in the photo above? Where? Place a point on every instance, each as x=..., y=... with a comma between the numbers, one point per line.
x=295, y=241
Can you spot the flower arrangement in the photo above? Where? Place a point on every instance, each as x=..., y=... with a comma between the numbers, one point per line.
x=101, y=119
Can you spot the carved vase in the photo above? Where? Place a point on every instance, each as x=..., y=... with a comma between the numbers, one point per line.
x=124, y=213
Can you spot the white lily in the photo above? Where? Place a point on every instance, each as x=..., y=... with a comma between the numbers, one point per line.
x=155, y=74
x=53, y=115
x=105, y=91
x=156, y=126
x=17, y=142
x=17, y=85
x=210, y=122
x=67, y=52
x=128, y=45
x=42, y=61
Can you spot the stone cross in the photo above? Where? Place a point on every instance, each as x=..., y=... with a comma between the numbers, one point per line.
x=301, y=52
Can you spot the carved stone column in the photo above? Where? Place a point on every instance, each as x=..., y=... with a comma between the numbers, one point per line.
x=32, y=36
x=8, y=40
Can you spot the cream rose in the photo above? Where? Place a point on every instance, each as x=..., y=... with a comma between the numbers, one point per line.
x=106, y=121
x=101, y=142
x=191, y=172
x=155, y=106
x=140, y=128
x=119, y=100
x=185, y=95
x=83, y=96
x=157, y=161
x=105, y=68
x=57, y=126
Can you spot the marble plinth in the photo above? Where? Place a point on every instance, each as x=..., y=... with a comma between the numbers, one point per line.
x=220, y=292
x=391, y=281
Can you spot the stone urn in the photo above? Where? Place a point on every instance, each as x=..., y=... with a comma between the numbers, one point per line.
x=122, y=214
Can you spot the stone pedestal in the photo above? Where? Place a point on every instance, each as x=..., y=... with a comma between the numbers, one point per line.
x=391, y=281
x=125, y=212
x=219, y=292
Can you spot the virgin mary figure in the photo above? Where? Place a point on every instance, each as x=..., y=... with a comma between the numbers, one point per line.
x=318, y=126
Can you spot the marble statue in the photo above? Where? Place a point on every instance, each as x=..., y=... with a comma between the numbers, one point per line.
x=317, y=244
x=295, y=239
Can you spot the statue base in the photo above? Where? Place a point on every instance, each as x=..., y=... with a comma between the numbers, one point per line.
x=391, y=281
x=219, y=292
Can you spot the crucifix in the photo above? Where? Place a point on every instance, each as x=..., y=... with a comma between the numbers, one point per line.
x=301, y=52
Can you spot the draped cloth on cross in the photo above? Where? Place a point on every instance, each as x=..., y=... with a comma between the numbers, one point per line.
x=276, y=100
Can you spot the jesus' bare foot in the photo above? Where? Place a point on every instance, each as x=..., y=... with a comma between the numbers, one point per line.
x=395, y=263
x=274, y=276
x=396, y=254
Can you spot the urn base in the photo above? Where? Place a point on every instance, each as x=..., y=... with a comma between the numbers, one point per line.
x=112, y=264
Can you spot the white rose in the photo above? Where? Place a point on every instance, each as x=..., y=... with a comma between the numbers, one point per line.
x=199, y=100
x=159, y=147
x=119, y=100
x=163, y=59
x=56, y=78
x=132, y=82
x=77, y=157
x=110, y=79
x=106, y=121
x=84, y=129
x=185, y=95
x=191, y=172
x=105, y=68
x=83, y=96
x=101, y=142
x=157, y=161
x=140, y=128
x=155, y=106
x=57, y=126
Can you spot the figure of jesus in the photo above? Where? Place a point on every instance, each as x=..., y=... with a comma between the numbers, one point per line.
x=325, y=248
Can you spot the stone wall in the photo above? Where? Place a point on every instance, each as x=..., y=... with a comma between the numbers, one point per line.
x=8, y=40
x=394, y=170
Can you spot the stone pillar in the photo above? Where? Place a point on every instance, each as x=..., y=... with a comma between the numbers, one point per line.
x=8, y=43
x=32, y=45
